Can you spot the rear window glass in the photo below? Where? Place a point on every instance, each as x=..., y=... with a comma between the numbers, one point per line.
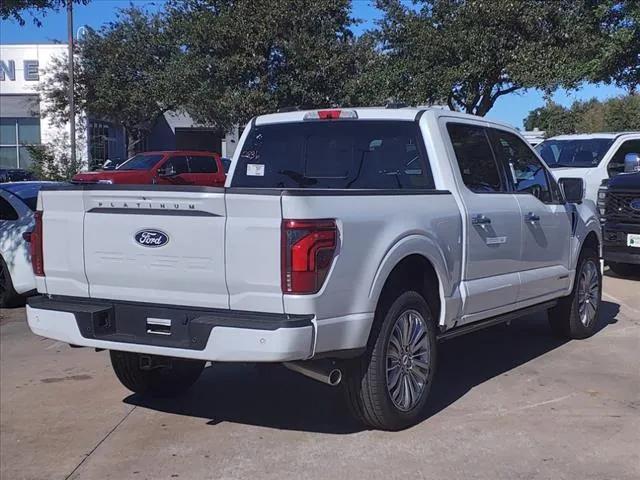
x=341, y=154
x=140, y=162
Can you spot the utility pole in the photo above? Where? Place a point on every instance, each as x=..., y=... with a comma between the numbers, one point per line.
x=72, y=108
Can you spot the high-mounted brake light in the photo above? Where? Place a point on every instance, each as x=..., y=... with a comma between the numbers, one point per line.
x=308, y=247
x=333, y=114
x=37, y=258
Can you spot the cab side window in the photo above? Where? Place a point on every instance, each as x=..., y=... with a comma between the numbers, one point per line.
x=177, y=165
x=527, y=171
x=478, y=167
x=7, y=212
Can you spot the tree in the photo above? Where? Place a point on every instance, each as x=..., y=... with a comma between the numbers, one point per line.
x=15, y=9
x=552, y=118
x=247, y=57
x=619, y=54
x=613, y=115
x=469, y=53
x=128, y=72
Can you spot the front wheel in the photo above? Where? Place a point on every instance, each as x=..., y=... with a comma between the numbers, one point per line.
x=155, y=375
x=576, y=316
x=388, y=387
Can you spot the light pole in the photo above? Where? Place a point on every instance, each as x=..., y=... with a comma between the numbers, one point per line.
x=72, y=109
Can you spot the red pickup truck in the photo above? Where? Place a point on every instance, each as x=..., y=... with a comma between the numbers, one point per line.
x=168, y=168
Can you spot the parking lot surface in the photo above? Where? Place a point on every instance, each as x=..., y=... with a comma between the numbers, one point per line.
x=510, y=402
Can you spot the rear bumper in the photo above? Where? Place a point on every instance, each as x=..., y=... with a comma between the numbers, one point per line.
x=215, y=335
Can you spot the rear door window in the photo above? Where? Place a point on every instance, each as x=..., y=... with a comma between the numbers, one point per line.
x=177, y=165
x=478, y=167
x=202, y=165
x=345, y=154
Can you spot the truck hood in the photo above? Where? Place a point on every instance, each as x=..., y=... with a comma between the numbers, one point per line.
x=115, y=176
x=569, y=172
x=626, y=181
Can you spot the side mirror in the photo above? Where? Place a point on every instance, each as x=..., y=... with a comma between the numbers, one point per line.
x=632, y=162
x=573, y=189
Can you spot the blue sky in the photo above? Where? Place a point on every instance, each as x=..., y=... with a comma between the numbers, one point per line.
x=510, y=108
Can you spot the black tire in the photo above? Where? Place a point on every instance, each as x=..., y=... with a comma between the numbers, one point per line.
x=625, y=269
x=367, y=393
x=8, y=296
x=173, y=378
x=565, y=319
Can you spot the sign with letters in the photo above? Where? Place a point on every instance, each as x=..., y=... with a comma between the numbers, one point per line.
x=8, y=70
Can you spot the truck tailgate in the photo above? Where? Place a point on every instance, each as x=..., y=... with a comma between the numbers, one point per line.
x=145, y=245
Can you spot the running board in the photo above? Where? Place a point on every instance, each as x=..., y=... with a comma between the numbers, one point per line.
x=497, y=320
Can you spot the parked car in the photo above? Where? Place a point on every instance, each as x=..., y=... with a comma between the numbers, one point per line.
x=593, y=157
x=17, y=206
x=163, y=168
x=622, y=224
x=15, y=175
x=346, y=244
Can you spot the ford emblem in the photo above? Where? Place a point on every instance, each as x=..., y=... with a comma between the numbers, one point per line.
x=151, y=238
x=635, y=204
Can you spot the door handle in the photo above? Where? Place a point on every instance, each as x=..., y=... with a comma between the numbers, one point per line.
x=480, y=220
x=531, y=217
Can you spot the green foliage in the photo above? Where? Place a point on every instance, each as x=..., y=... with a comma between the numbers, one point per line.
x=16, y=9
x=53, y=161
x=128, y=72
x=468, y=53
x=247, y=57
x=618, y=58
x=614, y=115
x=225, y=61
x=553, y=118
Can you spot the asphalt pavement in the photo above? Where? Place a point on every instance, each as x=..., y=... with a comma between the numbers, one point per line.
x=510, y=402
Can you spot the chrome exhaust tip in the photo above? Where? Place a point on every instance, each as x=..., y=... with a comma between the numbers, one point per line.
x=323, y=372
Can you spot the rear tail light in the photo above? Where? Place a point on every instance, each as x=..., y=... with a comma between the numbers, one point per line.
x=37, y=259
x=333, y=114
x=308, y=248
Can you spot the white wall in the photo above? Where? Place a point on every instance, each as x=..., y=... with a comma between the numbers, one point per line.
x=43, y=54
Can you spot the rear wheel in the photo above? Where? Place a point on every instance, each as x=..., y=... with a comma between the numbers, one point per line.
x=388, y=387
x=8, y=296
x=576, y=316
x=624, y=269
x=155, y=375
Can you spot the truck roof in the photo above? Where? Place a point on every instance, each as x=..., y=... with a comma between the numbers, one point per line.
x=178, y=152
x=375, y=113
x=591, y=136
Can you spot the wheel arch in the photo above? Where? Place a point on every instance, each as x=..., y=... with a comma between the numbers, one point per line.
x=414, y=260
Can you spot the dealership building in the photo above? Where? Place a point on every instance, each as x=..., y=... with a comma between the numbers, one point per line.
x=23, y=67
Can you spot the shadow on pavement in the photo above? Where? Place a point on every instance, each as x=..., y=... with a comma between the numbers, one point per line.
x=272, y=396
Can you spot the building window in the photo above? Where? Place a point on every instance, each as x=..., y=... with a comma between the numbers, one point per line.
x=99, y=143
x=15, y=135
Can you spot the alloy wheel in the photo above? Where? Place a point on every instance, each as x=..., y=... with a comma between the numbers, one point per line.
x=588, y=293
x=408, y=360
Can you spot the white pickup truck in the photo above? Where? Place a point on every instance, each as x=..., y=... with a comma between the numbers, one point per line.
x=594, y=157
x=345, y=244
